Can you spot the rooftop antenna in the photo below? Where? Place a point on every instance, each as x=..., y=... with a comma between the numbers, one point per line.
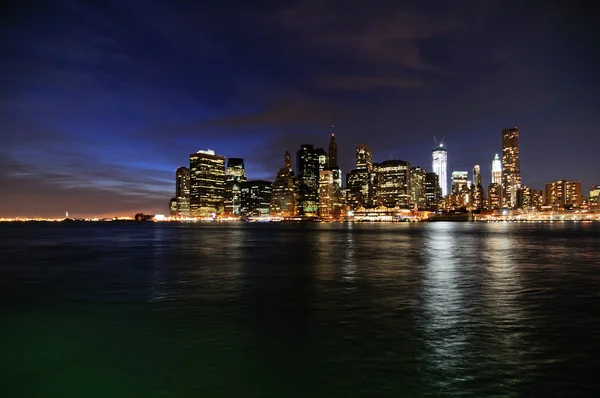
x=435, y=140
x=332, y=127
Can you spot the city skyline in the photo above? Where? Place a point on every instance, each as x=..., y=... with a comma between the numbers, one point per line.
x=102, y=99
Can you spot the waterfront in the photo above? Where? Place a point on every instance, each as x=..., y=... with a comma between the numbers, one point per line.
x=312, y=309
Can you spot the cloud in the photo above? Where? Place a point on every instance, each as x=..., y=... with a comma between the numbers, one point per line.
x=365, y=83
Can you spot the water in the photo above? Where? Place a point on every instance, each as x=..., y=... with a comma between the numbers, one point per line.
x=299, y=310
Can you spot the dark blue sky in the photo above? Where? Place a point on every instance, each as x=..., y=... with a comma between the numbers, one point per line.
x=102, y=100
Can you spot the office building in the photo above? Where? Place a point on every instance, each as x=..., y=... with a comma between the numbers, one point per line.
x=537, y=198
x=255, y=198
x=173, y=207
x=496, y=170
x=477, y=180
x=459, y=181
x=283, y=197
x=234, y=175
x=307, y=199
x=326, y=194
x=433, y=192
x=511, y=165
x=418, y=187
x=392, y=183
x=207, y=184
x=524, y=198
x=333, y=152
x=182, y=192
x=563, y=194
x=359, y=188
x=323, y=159
x=364, y=157
x=494, y=196
x=477, y=201
x=439, y=165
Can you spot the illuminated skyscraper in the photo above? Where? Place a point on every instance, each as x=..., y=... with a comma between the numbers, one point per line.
x=477, y=180
x=234, y=175
x=496, y=170
x=182, y=192
x=433, y=192
x=392, y=183
x=358, y=187
x=207, y=183
x=323, y=159
x=326, y=194
x=364, y=157
x=308, y=181
x=511, y=162
x=417, y=187
x=255, y=198
x=283, y=197
x=494, y=196
x=459, y=180
x=439, y=166
x=333, y=152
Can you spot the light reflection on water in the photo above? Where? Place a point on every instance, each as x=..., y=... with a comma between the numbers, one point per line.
x=439, y=309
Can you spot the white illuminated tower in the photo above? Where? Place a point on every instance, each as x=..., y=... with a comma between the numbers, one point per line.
x=440, y=165
x=497, y=170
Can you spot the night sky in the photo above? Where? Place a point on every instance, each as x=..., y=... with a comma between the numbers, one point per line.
x=101, y=101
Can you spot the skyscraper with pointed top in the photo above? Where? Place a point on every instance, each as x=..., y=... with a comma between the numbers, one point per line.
x=439, y=164
x=333, y=150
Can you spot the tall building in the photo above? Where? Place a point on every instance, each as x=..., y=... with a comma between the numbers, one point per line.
x=207, y=183
x=255, y=198
x=364, y=157
x=496, y=170
x=439, y=165
x=323, y=159
x=511, y=162
x=537, y=198
x=234, y=175
x=477, y=180
x=573, y=194
x=392, y=183
x=563, y=194
x=333, y=152
x=433, y=192
x=418, y=187
x=524, y=198
x=182, y=192
x=283, y=197
x=326, y=194
x=477, y=197
x=358, y=187
x=173, y=207
x=307, y=199
x=494, y=196
x=459, y=180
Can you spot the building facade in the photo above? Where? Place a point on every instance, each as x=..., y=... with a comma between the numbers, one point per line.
x=459, y=181
x=326, y=194
x=283, y=197
x=234, y=175
x=255, y=198
x=433, y=192
x=358, y=188
x=418, y=187
x=497, y=170
x=477, y=179
x=563, y=194
x=333, y=152
x=392, y=183
x=439, y=165
x=307, y=198
x=511, y=165
x=207, y=184
x=182, y=192
x=494, y=196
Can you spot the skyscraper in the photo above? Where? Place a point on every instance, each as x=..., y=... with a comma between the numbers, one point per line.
x=459, y=180
x=433, y=192
x=496, y=170
x=477, y=180
x=255, y=198
x=323, y=159
x=326, y=194
x=417, y=187
x=283, y=197
x=511, y=172
x=207, y=183
x=364, y=157
x=308, y=181
x=494, y=196
x=333, y=152
x=358, y=188
x=439, y=166
x=392, y=183
x=234, y=175
x=182, y=192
